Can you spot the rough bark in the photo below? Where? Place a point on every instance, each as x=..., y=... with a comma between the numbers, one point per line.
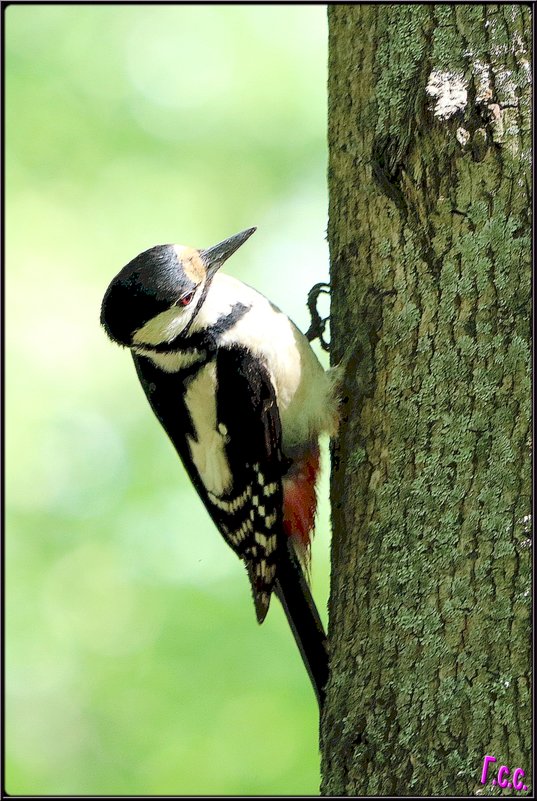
x=429, y=232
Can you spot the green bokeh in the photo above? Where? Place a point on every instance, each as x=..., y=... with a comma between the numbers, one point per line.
x=134, y=662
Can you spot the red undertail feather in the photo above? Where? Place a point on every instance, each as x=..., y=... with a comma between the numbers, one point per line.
x=300, y=500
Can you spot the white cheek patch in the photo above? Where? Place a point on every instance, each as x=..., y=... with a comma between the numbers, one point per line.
x=164, y=327
x=208, y=449
x=168, y=324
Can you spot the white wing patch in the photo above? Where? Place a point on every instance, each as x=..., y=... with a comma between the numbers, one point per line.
x=208, y=449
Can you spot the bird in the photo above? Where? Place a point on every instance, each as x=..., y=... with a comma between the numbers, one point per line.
x=244, y=399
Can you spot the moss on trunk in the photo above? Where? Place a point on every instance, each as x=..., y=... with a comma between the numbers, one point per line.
x=429, y=232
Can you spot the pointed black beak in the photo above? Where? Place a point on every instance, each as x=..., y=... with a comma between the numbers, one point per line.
x=214, y=257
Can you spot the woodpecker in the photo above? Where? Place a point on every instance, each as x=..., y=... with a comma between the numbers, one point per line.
x=244, y=399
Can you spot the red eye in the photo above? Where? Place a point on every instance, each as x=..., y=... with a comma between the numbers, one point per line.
x=186, y=299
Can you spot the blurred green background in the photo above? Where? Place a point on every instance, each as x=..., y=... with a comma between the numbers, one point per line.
x=134, y=662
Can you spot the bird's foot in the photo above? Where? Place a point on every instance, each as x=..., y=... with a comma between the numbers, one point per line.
x=318, y=323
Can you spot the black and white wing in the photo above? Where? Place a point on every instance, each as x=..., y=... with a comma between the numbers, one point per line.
x=232, y=453
x=252, y=513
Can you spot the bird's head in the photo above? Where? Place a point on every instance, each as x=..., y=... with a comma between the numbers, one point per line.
x=157, y=295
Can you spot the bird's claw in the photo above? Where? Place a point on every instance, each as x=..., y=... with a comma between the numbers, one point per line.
x=318, y=323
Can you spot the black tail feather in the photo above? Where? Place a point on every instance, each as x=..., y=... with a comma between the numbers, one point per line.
x=295, y=596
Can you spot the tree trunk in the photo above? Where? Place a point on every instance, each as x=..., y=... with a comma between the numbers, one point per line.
x=429, y=232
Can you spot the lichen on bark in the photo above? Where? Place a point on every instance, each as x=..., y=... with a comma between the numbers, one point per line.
x=429, y=232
